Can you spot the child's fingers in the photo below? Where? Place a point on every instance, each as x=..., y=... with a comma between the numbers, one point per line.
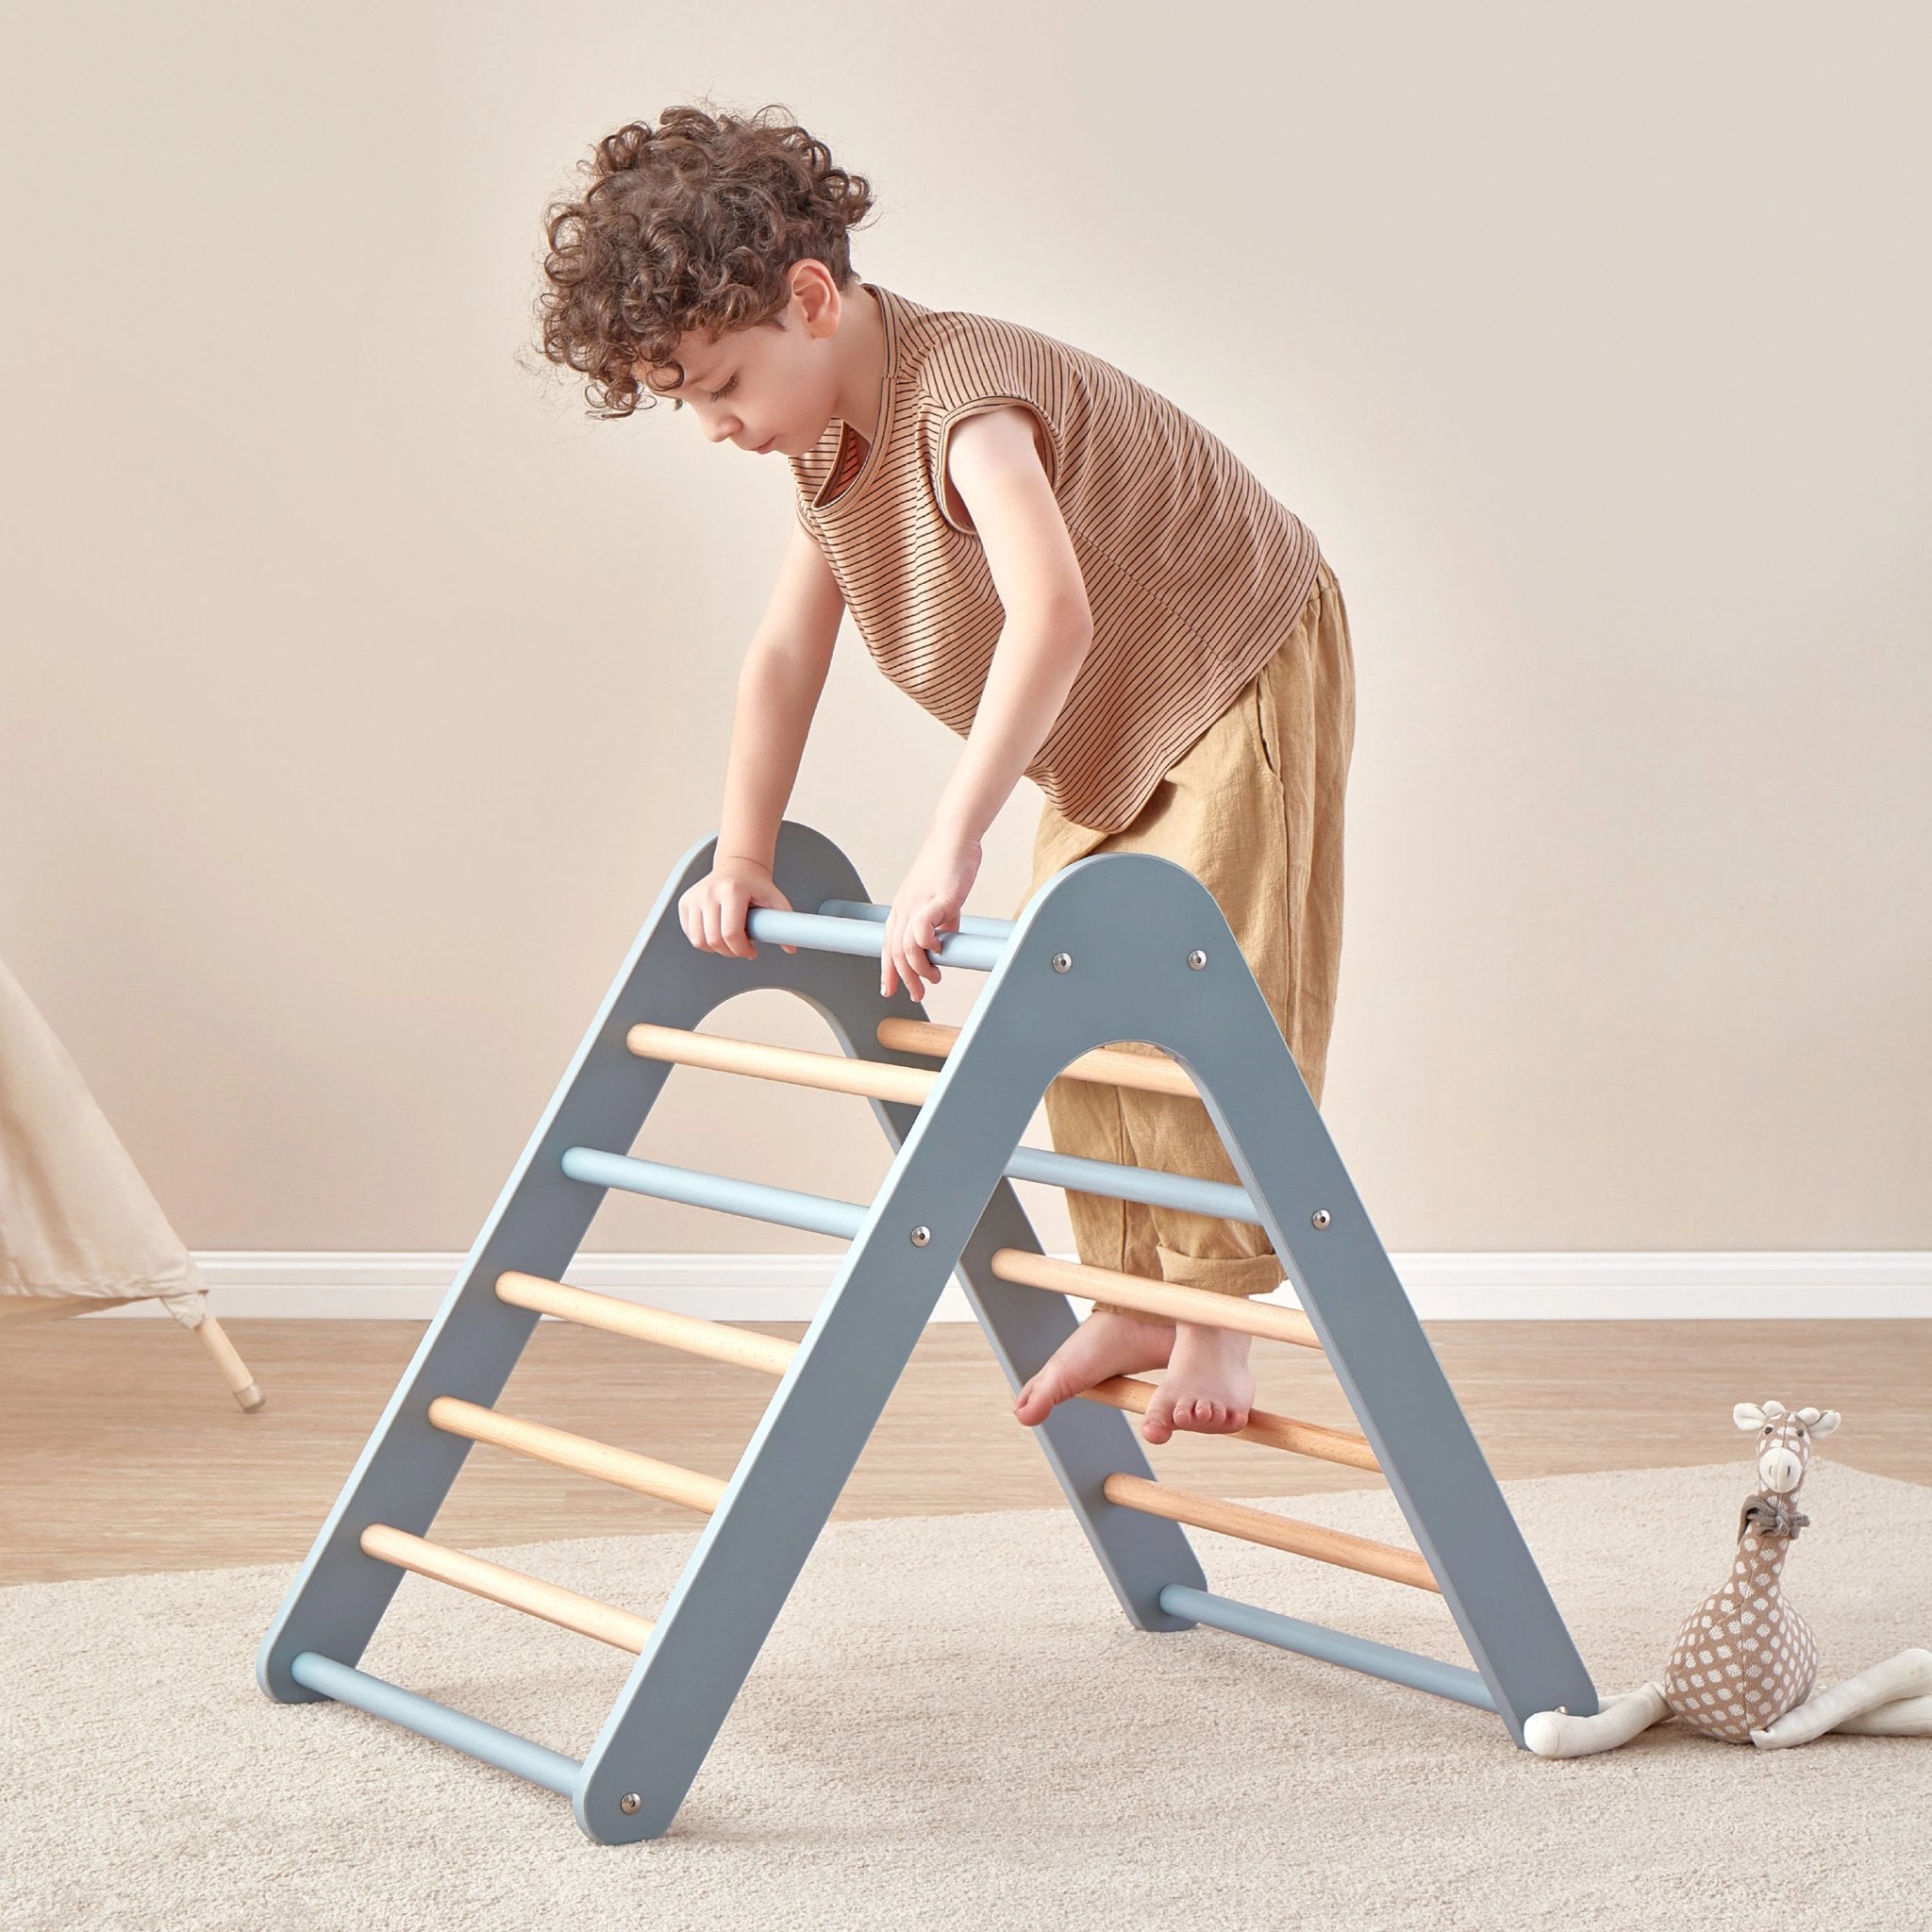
x=905, y=955
x=738, y=941
x=929, y=937
x=899, y=964
x=717, y=917
x=779, y=903
x=921, y=972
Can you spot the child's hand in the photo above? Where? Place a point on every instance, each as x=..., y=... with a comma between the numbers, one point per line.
x=932, y=897
x=714, y=911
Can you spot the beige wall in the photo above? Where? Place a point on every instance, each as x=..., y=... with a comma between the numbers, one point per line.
x=359, y=692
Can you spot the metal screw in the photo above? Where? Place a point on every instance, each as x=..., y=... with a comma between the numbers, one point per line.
x=1320, y=1217
x=1062, y=962
x=920, y=1236
x=1197, y=959
x=629, y=1801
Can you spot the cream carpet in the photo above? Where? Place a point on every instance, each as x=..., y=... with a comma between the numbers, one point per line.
x=952, y=1726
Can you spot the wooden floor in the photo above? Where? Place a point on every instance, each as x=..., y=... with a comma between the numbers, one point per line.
x=122, y=1451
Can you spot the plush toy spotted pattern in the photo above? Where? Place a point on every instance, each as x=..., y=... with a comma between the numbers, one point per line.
x=1745, y=1663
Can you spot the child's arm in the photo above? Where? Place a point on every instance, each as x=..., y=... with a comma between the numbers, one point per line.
x=996, y=469
x=778, y=689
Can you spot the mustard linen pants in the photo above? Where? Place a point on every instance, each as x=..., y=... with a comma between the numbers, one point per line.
x=1253, y=810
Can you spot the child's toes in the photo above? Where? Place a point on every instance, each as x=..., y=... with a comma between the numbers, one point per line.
x=1050, y=1387
x=1204, y=1416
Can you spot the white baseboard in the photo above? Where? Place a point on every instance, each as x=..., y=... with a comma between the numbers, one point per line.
x=1638, y=1287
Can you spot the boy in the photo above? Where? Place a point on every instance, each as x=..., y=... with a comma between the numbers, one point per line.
x=1052, y=559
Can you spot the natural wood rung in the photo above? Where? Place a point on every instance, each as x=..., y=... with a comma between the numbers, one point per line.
x=1162, y=1298
x=719, y=1341
x=1264, y=1527
x=1272, y=1431
x=622, y=1630
x=558, y=1448
x=796, y=1066
x=720, y=1053
x=1104, y=1066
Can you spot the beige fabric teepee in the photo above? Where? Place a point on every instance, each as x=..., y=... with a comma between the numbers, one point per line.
x=78, y=1227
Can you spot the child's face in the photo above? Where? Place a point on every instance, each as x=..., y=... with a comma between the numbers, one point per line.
x=766, y=389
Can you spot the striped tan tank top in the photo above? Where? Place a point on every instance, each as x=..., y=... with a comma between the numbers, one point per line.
x=1193, y=572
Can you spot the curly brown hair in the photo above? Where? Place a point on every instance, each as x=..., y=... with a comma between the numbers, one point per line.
x=695, y=225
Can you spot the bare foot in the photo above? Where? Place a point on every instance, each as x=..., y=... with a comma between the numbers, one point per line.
x=1209, y=1385
x=1102, y=1345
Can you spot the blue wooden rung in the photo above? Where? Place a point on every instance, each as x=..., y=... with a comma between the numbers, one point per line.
x=822, y=1214
x=428, y=1719
x=783, y=1207
x=1331, y=1646
x=969, y=923
x=863, y=938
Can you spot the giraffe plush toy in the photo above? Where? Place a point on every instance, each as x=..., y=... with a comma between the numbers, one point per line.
x=1744, y=1662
